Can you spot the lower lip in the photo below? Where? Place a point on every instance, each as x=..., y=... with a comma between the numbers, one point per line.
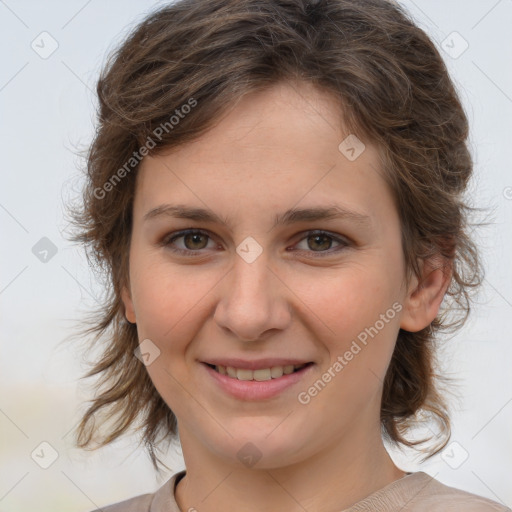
x=257, y=390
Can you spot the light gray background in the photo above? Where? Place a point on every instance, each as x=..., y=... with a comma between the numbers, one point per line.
x=47, y=113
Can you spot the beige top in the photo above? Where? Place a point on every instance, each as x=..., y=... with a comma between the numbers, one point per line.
x=415, y=492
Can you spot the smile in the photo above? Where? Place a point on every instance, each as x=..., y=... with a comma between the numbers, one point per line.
x=261, y=384
x=260, y=375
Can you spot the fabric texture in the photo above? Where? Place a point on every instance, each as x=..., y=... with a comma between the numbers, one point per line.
x=415, y=492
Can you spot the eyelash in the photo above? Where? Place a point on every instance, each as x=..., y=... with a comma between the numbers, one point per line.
x=169, y=239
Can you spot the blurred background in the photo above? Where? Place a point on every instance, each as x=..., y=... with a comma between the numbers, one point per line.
x=52, y=54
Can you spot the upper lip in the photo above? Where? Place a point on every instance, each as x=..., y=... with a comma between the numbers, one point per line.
x=256, y=364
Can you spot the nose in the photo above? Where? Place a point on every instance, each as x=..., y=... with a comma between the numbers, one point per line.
x=253, y=301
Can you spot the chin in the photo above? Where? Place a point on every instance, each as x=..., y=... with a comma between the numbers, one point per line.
x=260, y=448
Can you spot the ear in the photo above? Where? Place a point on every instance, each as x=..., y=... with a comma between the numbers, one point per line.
x=129, y=310
x=426, y=294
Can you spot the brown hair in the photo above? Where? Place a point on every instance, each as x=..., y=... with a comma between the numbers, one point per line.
x=395, y=91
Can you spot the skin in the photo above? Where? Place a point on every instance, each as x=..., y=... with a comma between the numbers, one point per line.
x=272, y=151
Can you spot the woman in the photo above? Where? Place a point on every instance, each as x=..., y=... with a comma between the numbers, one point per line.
x=275, y=195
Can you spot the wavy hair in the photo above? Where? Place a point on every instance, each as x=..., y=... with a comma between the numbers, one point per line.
x=395, y=91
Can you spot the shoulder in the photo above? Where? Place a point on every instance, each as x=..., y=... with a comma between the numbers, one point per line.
x=160, y=501
x=420, y=492
x=431, y=495
x=136, y=504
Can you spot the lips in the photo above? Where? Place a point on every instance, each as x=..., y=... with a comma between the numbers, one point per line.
x=275, y=372
x=259, y=387
x=257, y=364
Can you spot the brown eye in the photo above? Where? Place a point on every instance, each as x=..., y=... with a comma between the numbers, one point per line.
x=320, y=242
x=192, y=242
x=195, y=241
x=187, y=242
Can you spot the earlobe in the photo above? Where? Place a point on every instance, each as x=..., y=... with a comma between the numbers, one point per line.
x=425, y=296
x=129, y=310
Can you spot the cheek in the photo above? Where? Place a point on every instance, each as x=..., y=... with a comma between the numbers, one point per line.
x=170, y=308
x=353, y=317
x=348, y=302
x=168, y=301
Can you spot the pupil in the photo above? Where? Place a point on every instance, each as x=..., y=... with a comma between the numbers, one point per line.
x=320, y=237
x=195, y=237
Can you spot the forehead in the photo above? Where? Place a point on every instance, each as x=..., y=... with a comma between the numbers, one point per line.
x=287, y=118
x=273, y=149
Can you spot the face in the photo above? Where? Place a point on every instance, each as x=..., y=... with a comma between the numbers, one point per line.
x=257, y=279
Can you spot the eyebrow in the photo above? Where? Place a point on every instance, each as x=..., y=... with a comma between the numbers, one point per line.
x=291, y=216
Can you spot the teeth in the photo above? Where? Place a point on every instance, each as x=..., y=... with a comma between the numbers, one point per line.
x=259, y=375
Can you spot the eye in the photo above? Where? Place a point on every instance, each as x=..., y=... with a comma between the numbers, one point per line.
x=192, y=241
x=320, y=242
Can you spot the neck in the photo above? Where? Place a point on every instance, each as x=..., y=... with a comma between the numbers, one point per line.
x=335, y=478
